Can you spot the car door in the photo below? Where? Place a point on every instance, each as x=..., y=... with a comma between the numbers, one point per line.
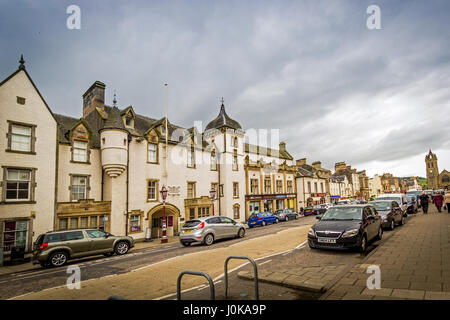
x=99, y=242
x=370, y=222
x=77, y=243
x=397, y=211
x=378, y=220
x=216, y=224
x=229, y=227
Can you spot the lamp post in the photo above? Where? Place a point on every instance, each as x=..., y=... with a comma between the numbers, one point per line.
x=212, y=195
x=164, y=229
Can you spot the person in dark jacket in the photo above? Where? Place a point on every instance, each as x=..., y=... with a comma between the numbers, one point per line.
x=438, y=201
x=423, y=199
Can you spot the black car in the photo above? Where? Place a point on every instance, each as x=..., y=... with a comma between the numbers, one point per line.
x=314, y=210
x=286, y=214
x=390, y=212
x=346, y=227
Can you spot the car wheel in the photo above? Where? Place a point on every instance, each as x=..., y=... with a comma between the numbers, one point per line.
x=209, y=239
x=241, y=233
x=402, y=222
x=276, y=220
x=380, y=233
x=263, y=223
x=287, y=218
x=392, y=227
x=186, y=244
x=296, y=217
x=58, y=259
x=122, y=248
x=109, y=254
x=363, y=245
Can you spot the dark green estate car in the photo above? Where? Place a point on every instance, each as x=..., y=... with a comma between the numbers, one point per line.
x=57, y=247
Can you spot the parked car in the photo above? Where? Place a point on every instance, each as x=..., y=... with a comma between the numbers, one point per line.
x=346, y=227
x=318, y=209
x=399, y=197
x=345, y=201
x=57, y=247
x=261, y=219
x=390, y=212
x=206, y=230
x=286, y=214
x=412, y=206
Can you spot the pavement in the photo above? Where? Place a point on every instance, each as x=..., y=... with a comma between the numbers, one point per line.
x=414, y=262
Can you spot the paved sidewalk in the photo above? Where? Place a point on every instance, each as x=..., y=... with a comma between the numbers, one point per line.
x=414, y=264
x=27, y=266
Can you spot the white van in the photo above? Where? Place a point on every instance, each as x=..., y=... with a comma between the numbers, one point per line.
x=400, y=198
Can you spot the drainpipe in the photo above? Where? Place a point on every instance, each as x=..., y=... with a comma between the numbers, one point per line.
x=128, y=177
x=103, y=183
x=218, y=170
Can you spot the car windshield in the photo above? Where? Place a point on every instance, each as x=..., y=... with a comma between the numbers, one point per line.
x=343, y=213
x=279, y=211
x=389, y=198
x=253, y=215
x=381, y=205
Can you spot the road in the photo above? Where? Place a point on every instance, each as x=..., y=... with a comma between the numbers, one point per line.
x=99, y=266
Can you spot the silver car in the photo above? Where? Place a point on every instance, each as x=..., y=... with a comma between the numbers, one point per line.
x=208, y=229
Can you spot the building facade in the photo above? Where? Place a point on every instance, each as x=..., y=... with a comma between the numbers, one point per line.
x=436, y=180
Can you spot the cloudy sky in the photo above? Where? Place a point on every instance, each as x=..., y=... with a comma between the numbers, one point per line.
x=377, y=99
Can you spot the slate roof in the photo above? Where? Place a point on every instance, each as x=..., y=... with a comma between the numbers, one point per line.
x=282, y=154
x=302, y=172
x=223, y=120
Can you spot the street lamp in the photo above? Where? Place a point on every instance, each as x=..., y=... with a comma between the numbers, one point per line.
x=212, y=195
x=164, y=229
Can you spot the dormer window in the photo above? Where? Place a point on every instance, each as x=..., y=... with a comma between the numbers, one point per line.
x=129, y=121
x=80, y=151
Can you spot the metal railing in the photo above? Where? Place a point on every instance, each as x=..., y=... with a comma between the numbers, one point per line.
x=255, y=270
x=196, y=273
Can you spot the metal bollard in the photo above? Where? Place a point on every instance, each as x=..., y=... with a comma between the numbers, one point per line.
x=255, y=271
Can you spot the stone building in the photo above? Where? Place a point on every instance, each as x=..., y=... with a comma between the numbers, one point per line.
x=312, y=183
x=435, y=179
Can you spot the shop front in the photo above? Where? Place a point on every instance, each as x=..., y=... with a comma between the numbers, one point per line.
x=270, y=203
x=16, y=233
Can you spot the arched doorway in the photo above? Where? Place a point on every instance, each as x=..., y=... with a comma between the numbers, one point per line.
x=309, y=202
x=155, y=217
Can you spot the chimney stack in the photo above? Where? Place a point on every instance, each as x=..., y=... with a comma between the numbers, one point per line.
x=301, y=162
x=316, y=164
x=94, y=97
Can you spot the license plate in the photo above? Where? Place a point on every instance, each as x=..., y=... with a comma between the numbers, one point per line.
x=325, y=240
x=252, y=222
x=187, y=231
x=35, y=252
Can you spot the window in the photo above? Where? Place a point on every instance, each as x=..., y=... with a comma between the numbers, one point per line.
x=152, y=190
x=289, y=186
x=191, y=214
x=21, y=138
x=191, y=158
x=63, y=224
x=309, y=186
x=191, y=190
x=235, y=190
x=221, y=190
x=80, y=151
x=78, y=188
x=73, y=223
x=129, y=121
x=236, y=212
x=84, y=222
x=235, y=161
x=234, y=142
x=315, y=187
x=94, y=222
x=267, y=186
x=21, y=100
x=18, y=184
x=279, y=186
x=254, y=186
x=213, y=161
x=96, y=233
x=152, y=152
x=14, y=234
x=135, y=223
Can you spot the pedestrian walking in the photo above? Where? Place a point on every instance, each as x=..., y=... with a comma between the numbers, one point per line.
x=423, y=200
x=447, y=200
x=438, y=201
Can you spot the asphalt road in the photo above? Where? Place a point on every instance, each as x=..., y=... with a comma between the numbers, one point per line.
x=21, y=283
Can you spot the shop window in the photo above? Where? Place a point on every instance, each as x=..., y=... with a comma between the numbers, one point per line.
x=135, y=223
x=14, y=234
x=84, y=222
x=73, y=223
x=63, y=224
x=94, y=222
x=191, y=214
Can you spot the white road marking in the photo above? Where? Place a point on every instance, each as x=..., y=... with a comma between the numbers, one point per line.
x=264, y=262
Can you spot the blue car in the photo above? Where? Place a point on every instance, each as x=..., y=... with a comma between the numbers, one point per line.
x=261, y=219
